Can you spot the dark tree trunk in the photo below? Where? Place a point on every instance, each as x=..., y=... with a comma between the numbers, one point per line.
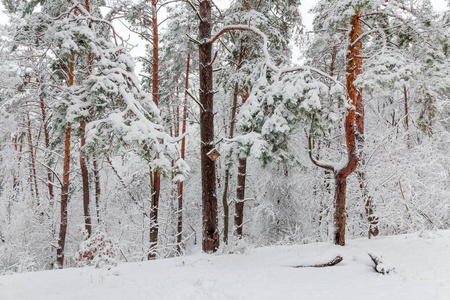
x=210, y=241
x=226, y=207
x=33, y=174
x=97, y=187
x=240, y=196
x=47, y=146
x=156, y=184
x=85, y=180
x=405, y=93
x=83, y=157
x=240, y=191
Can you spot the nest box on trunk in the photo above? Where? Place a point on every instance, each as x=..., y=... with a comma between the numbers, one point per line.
x=213, y=154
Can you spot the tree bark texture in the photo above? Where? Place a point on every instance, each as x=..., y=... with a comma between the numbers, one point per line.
x=66, y=179
x=240, y=196
x=32, y=160
x=156, y=184
x=210, y=241
x=350, y=133
x=83, y=156
x=85, y=180
x=97, y=187
x=360, y=138
x=226, y=207
x=240, y=191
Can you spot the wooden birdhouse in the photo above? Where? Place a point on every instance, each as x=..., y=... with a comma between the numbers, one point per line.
x=213, y=154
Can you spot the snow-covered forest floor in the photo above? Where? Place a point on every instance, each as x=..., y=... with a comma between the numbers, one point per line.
x=420, y=260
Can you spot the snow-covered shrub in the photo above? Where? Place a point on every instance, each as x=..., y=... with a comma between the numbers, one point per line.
x=98, y=250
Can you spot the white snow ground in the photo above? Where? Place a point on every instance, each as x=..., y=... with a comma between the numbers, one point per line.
x=422, y=261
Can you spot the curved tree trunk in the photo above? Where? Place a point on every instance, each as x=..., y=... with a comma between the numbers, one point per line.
x=350, y=131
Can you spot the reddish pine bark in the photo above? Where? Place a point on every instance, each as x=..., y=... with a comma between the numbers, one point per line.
x=210, y=241
x=350, y=127
x=350, y=131
x=359, y=119
x=66, y=179
x=156, y=184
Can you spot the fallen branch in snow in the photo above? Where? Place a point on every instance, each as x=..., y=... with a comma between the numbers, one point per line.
x=332, y=262
x=381, y=267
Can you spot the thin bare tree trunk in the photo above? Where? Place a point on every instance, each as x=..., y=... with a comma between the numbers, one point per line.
x=47, y=146
x=66, y=179
x=16, y=147
x=97, y=187
x=226, y=208
x=405, y=93
x=240, y=197
x=210, y=241
x=32, y=159
x=85, y=180
x=183, y=152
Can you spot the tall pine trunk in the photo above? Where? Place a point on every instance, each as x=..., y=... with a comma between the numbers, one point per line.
x=83, y=156
x=156, y=178
x=350, y=127
x=66, y=178
x=226, y=208
x=183, y=153
x=240, y=191
x=210, y=241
